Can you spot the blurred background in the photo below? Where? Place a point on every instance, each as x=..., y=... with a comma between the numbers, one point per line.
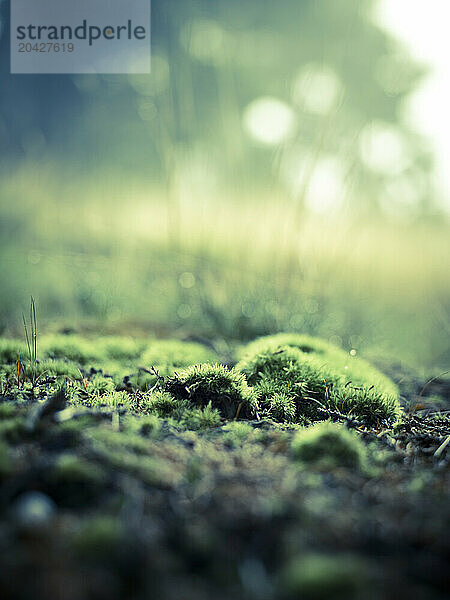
x=282, y=168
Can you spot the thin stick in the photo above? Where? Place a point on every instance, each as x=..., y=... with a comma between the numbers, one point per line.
x=428, y=383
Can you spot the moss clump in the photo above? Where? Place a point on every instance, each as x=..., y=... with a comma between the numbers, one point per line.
x=148, y=426
x=69, y=347
x=7, y=410
x=69, y=468
x=237, y=434
x=317, y=577
x=120, y=348
x=328, y=446
x=42, y=369
x=162, y=404
x=196, y=419
x=226, y=389
x=366, y=403
x=12, y=430
x=113, y=354
x=12, y=423
x=100, y=385
x=11, y=349
x=281, y=407
x=55, y=368
x=316, y=375
x=175, y=353
x=116, y=400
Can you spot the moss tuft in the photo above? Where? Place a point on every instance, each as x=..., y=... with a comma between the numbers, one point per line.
x=320, y=577
x=196, y=419
x=162, y=404
x=56, y=368
x=100, y=385
x=315, y=375
x=281, y=407
x=237, y=434
x=116, y=400
x=226, y=389
x=328, y=446
x=364, y=402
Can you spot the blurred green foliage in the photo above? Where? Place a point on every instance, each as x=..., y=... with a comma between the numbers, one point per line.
x=316, y=81
x=258, y=180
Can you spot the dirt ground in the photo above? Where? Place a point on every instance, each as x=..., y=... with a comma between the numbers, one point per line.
x=100, y=504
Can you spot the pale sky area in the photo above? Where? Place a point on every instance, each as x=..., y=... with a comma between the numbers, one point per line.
x=422, y=25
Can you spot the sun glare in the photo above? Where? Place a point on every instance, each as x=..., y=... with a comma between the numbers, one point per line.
x=269, y=121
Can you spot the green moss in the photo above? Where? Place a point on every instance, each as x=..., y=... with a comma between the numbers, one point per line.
x=106, y=440
x=12, y=429
x=120, y=348
x=98, y=538
x=226, y=389
x=11, y=349
x=162, y=404
x=70, y=468
x=7, y=410
x=43, y=368
x=195, y=419
x=281, y=407
x=315, y=374
x=364, y=402
x=84, y=351
x=236, y=434
x=58, y=368
x=129, y=452
x=180, y=412
x=99, y=384
x=116, y=400
x=148, y=426
x=144, y=381
x=176, y=353
x=294, y=376
x=5, y=461
x=328, y=446
x=151, y=470
x=69, y=347
x=320, y=577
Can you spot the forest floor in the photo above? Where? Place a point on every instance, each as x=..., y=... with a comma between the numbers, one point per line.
x=104, y=495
